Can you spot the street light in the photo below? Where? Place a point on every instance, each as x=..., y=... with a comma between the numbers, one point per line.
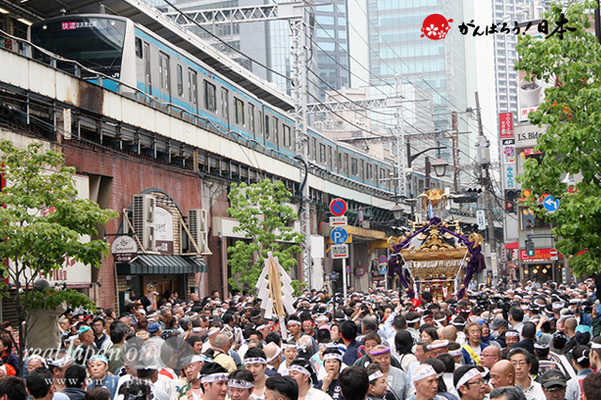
x=440, y=167
x=397, y=211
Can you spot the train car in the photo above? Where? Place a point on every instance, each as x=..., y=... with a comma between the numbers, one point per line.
x=98, y=42
x=134, y=55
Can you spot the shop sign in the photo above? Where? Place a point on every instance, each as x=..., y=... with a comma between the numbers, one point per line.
x=526, y=135
x=509, y=176
x=124, y=249
x=540, y=255
x=163, y=230
x=506, y=125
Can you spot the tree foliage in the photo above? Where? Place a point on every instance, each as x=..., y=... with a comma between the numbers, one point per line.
x=263, y=218
x=572, y=141
x=41, y=224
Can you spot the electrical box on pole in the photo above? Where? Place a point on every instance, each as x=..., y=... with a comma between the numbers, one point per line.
x=482, y=151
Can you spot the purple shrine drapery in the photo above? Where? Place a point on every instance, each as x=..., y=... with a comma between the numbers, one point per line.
x=474, y=266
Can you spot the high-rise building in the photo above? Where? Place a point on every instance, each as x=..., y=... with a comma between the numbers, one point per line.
x=331, y=40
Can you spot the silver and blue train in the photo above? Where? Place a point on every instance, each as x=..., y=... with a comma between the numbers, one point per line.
x=132, y=54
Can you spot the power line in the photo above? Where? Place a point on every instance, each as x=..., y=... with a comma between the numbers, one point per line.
x=226, y=43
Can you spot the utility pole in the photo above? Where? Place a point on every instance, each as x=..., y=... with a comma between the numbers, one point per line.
x=483, y=159
x=299, y=63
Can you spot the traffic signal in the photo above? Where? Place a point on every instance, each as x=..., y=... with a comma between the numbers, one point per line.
x=530, y=248
x=510, y=198
x=468, y=195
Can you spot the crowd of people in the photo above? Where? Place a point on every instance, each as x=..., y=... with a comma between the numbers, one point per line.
x=508, y=342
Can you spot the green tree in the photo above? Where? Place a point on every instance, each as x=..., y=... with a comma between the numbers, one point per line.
x=41, y=224
x=263, y=216
x=572, y=141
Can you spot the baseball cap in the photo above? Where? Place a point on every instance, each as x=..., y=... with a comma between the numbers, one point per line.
x=553, y=377
x=497, y=323
x=154, y=327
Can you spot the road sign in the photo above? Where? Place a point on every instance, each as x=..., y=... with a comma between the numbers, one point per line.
x=338, y=235
x=338, y=221
x=553, y=255
x=382, y=259
x=338, y=207
x=551, y=204
x=481, y=218
x=360, y=215
x=339, y=251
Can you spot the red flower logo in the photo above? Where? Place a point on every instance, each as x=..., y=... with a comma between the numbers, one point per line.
x=435, y=27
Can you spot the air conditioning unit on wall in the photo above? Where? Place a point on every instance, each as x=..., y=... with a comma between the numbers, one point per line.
x=199, y=230
x=144, y=206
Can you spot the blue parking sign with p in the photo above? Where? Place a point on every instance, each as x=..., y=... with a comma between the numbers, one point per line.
x=338, y=235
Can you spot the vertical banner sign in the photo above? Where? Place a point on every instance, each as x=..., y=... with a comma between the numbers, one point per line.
x=508, y=171
x=506, y=125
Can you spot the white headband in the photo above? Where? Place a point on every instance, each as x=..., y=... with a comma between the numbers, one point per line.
x=255, y=360
x=300, y=369
x=375, y=375
x=288, y=345
x=240, y=384
x=595, y=345
x=197, y=358
x=443, y=343
x=472, y=373
x=294, y=322
x=39, y=358
x=277, y=353
x=332, y=356
x=512, y=334
x=424, y=373
x=584, y=356
x=413, y=321
x=214, y=378
x=262, y=327
x=61, y=362
x=455, y=353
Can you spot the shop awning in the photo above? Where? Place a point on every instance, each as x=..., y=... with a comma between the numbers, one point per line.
x=162, y=264
x=512, y=246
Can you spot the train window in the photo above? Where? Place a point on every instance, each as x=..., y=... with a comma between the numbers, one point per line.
x=369, y=172
x=287, y=136
x=180, y=81
x=345, y=164
x=314, y=148
x=251, y=118
x=164, y=71
x=239, y=111
x=340, y=162
x=225, y=112
x=260, y=115
x=192, y=87
x=147, y=69
x=354, y=170
x=330, y=162
x=139, y=48
x=266, y=127
x=362, y=170
x=210, y=97
x=276, y=136
x=322, y=153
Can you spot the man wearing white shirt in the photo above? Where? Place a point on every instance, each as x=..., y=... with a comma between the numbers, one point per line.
x=522, y=361
x=516, y=319
x=302, y=372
